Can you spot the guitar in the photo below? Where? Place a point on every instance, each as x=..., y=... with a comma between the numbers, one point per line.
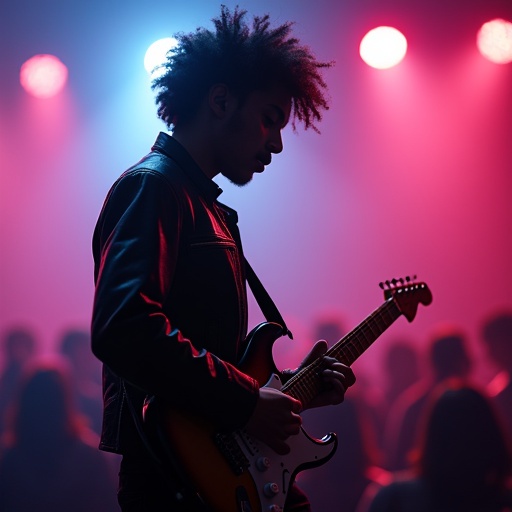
x=234, y=472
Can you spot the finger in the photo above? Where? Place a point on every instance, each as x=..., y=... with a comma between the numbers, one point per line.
x=292, y=429
x=349, y=377
x=339, y=370
x=335, y=392
x=334, y=377
x=318, y=350
x=338, y=387
x=296, y=406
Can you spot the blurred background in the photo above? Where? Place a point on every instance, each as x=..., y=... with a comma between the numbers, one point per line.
x=411, y=174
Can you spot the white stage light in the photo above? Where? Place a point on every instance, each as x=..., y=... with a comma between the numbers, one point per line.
x=383, y=47
x=156, y=55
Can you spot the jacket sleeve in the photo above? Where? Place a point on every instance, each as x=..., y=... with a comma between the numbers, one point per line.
x=135, y=246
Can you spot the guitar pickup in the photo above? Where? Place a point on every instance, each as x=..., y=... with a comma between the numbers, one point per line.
x=228, y=446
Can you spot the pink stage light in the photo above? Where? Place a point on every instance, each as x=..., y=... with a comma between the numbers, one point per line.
x=383, y=47
x=494, y=40
x=43, y=76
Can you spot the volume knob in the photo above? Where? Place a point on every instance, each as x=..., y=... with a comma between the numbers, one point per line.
x=270, y=489
x=263, y=463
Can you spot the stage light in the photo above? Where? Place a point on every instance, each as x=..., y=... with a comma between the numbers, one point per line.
x=383, y=47
x=156, y=55
x=43, y=76
x=494, y=40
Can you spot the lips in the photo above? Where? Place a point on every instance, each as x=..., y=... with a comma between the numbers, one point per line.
x=261, y=166
x=264, y=159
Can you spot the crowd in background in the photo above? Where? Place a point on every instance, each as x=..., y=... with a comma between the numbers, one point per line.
x=434, y=437
x=430, y=438
x=50, y=420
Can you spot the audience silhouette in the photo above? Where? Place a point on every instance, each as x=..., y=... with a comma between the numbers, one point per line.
x=50, y=460
x=75, y=346
x=18, y=347
x=448, y=357
x=463, y=462
x=446, y=443
x=401, y=369
x=496, y=334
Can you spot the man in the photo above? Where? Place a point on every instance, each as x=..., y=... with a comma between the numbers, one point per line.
x=449, y=358
x=170, y=309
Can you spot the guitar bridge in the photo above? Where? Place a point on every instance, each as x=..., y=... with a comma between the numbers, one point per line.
x=232, y=452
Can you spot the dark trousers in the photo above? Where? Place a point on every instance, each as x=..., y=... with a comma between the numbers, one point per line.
x=146, y=487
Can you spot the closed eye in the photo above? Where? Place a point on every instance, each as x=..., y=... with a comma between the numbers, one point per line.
x=269, y=121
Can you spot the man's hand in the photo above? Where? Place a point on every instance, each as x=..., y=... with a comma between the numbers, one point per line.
x=276, y=415
x=275, y=418
x=336, y=376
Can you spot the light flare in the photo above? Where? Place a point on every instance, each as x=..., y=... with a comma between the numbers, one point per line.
x=383, y=47
x=43, y=76
x=494, y=40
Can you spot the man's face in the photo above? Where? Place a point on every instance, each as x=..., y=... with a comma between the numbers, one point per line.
x=251, y=133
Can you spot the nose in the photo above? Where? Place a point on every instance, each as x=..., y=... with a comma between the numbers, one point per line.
x=275, y=143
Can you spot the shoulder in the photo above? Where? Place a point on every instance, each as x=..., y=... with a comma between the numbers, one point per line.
x=150, y=182
x=152, y=172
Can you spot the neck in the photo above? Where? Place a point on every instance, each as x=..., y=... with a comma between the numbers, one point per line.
x=197, y=142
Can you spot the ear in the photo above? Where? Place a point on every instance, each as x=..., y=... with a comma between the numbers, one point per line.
x=218, y=99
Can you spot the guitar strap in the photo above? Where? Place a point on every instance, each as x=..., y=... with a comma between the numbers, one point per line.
x=265, y=302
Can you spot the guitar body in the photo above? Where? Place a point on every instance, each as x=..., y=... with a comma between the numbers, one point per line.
x=235, y=472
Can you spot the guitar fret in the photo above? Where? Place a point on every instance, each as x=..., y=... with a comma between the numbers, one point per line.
x=308, y=387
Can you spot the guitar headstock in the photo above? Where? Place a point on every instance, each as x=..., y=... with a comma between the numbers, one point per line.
x=407, y=294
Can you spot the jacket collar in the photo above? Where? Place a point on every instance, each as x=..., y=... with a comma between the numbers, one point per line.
x=170, y=147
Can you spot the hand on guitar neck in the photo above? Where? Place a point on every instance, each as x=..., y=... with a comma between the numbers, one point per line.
x=336, y=377
x=276, y=415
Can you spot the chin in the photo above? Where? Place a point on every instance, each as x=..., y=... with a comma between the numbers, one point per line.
x=241, y=182
x=240, y=179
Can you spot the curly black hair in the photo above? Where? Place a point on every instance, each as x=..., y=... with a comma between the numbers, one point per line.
x=245, y=59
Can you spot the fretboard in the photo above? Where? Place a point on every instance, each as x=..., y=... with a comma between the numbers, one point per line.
x=306, y=384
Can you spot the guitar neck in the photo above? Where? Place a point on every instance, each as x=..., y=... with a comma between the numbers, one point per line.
x=306, y=384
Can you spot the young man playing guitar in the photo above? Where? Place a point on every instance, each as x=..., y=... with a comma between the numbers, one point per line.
x=170, y=308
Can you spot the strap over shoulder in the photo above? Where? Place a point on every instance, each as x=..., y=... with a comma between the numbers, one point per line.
x=265, y=302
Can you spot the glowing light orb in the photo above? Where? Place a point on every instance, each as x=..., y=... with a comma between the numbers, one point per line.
x=43, y=76
x=383, y=47
x=156, y=55
x=494, y=40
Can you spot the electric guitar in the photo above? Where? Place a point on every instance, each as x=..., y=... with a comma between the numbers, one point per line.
x=234, y=472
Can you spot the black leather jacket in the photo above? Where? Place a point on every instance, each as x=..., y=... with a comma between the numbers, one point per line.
x=170, y=306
